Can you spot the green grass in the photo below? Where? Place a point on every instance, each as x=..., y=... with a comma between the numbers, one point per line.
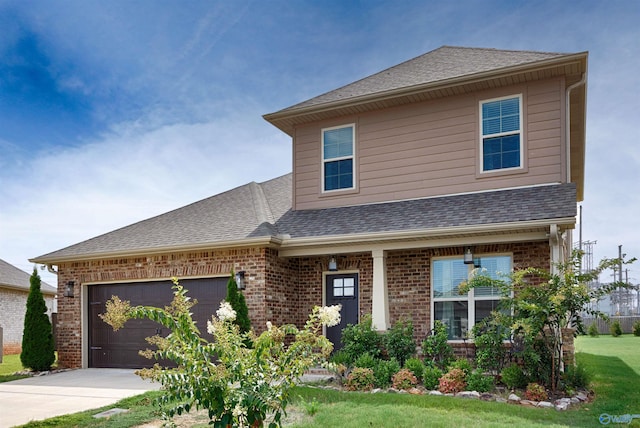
x=10, y=364
x=613, y=362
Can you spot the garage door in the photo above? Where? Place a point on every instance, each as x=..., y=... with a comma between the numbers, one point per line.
x=120, y=349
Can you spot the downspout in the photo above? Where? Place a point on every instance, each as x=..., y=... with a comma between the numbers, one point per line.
x=567, y=125
x=51, y=269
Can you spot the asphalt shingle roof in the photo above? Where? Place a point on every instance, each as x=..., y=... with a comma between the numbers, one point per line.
x=12, y=277
x=264, y=210
x=444, y=63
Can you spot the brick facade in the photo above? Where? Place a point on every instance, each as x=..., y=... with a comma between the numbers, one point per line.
x=280, y=290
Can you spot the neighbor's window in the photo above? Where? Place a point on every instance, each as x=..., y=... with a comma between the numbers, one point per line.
x=337, y=158
x=501, y=145
x=460, y=312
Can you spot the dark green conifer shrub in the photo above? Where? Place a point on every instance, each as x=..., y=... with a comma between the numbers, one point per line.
x=38, y=351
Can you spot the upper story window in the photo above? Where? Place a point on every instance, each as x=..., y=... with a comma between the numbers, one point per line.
x=501, y=145
x=338, y=147
x=460, y=312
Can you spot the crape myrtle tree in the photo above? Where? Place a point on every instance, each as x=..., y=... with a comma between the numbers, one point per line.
x=539, y=304
x=38, y=352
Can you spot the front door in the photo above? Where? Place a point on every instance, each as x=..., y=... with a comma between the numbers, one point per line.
x=342, y=289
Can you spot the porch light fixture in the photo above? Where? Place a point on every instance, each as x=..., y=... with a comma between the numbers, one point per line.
x=68, y=290
x=240, y=280
x=468, y=256
x=333, y=265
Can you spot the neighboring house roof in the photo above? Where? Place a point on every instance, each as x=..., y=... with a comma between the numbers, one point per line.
x=14, y=278
x=256, y=214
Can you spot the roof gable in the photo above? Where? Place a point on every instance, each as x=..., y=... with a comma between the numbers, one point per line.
x=12, y=277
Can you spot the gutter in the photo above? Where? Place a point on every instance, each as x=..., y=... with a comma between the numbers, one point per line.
x=567, y=125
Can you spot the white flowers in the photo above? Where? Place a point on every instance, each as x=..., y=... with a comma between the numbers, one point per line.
x=329, y=315
x=226, y=312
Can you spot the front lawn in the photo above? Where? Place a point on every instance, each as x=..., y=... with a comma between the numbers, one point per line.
x=10, y=365
x=613, y=362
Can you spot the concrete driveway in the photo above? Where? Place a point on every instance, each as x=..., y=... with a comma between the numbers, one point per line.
x=43, y=397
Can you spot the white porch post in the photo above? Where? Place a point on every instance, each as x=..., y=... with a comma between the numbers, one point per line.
x=380, y=304
x=555, y=242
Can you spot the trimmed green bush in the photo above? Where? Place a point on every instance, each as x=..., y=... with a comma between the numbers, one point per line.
x=416, y=366
x=383, y=372
x=489, y=337
x=478, y=381
x=576, y=376
x=436, y=348
x=593, y=330
x=238, y=303
x=361, y=338
x=462, y=364
x=399, y=341
x=615, y=328
x=513, y=377
x=431, y=377
x=636, y=328
x=365, y=361
x=38, y=351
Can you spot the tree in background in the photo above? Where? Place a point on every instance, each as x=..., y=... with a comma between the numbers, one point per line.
x=238, y=303
x=38, y=352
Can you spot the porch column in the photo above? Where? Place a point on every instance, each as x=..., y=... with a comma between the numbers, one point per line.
x=380, y=304
x=555, y=242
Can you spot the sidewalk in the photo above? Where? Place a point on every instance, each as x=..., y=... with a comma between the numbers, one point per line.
x=43, y=397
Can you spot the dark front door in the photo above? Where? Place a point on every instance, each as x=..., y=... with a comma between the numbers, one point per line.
x=119, y=349
x=342, y=289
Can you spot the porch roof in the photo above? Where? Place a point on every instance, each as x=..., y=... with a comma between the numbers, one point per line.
x=260, y=214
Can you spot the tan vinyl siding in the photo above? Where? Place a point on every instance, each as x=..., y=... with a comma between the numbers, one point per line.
x=432, y=148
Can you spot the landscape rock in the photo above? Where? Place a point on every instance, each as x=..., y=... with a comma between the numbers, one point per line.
x=469, y=394
x=582, y=396
x=485, y=396
x=513, y=398
x=562, y=406
x=435, y=393
x=415, y=391
x=528, y=403
x=545, y=405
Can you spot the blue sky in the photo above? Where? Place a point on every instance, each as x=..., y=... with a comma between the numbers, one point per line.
x=112, y=112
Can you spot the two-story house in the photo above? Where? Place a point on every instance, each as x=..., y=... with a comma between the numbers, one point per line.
x=402, y=183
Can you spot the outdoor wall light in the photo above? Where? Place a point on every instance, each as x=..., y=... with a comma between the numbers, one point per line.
x=468, y=256
x=240, y=280
x=68, y=290
x=333, y=265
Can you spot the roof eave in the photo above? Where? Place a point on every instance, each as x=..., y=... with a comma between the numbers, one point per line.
x=278, y=118
x=266, y=241
x=422, y=234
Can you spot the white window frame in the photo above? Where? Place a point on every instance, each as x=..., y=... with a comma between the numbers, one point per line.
x=470, y=298
x=520, y=133
x=352, y=157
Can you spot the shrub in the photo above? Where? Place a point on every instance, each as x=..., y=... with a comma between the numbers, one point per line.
x=365, y=361
x=636, y=328
x=593, y=330
x=416, y=366
x=383, y=371
x=239, y=305
x=404, y=379
x=462, y=364
x=360, y=379
x=536, y=392
x=339, y=357
x=576, y=376
x=37, y=338
x=513, y=377
x=452, y=382
x=489, y=337
x=477, y=381
x=431, y=377
x=615, y=328
x=399, y=341
x=436, y=348
x=361, y=338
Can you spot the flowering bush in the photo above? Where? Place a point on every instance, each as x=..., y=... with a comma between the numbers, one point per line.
x=360, y=379
x=404, y=379
x=238, y=385
x=452, y=382
x=535, y=392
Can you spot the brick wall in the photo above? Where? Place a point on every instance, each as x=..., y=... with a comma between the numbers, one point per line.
x=13, y=306
x=409, y=277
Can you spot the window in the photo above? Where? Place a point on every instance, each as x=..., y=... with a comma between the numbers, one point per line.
x=501, y=145
x=460, y=312
x=337, y=158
